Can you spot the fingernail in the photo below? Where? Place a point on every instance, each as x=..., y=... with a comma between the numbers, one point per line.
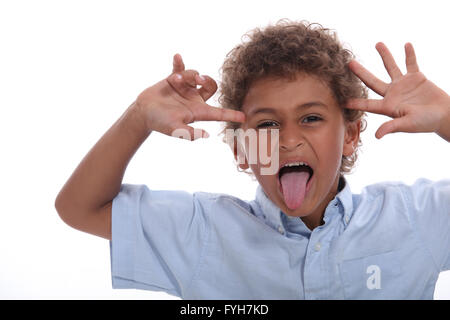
x=202, y=78
x=205, y=135
x=178, y=76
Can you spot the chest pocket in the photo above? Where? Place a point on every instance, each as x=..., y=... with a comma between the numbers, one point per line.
x=373, y=277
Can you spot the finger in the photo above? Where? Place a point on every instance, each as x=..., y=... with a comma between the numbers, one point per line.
x=208, y=86
x=411, y=61
x=188, y=133
x=178, y=65
x=180, y=85
x=368, y=105
x=205, y=112
x=177, y=82
x=368, y=78
x=394, y=125
x=388, y=60
x=189, y=78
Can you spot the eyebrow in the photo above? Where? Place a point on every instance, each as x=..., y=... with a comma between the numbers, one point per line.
x=302, y=106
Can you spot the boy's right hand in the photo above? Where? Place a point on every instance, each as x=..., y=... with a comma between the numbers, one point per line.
x=175, y=102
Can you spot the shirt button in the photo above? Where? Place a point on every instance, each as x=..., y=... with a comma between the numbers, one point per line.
x=347, y=219
x=280, y=230
x=317, y=246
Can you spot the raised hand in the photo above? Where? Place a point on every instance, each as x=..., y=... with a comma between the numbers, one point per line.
x=414, y=102
x=174, y=102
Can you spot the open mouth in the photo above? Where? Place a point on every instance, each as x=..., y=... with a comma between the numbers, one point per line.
x=293, y=167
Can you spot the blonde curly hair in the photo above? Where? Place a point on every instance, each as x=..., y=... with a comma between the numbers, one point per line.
x=284, y=50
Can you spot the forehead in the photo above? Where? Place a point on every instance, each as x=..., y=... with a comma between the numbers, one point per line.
x=283, y=93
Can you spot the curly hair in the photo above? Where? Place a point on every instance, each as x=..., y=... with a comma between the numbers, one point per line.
x=284, y=50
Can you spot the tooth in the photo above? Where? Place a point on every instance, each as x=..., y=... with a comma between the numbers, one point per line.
x=292, y=164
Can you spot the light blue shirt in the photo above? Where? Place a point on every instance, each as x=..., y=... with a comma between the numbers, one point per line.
x=389, y=242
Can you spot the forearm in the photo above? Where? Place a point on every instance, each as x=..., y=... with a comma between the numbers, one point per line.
x=98, y=177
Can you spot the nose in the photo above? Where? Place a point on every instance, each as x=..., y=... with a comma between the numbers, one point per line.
x=290, y=139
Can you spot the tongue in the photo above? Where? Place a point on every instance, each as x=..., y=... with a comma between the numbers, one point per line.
x=293, y=185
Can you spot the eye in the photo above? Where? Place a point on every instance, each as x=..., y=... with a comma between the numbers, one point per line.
x=309, y=119
x=267, y=124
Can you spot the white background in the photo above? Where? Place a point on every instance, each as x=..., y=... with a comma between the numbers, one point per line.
x=69, y=69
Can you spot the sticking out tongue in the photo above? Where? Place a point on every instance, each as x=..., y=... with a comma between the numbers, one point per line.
x=293, y=185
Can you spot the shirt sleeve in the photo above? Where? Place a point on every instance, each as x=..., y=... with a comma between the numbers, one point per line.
x=157, y=239
x=429, y=204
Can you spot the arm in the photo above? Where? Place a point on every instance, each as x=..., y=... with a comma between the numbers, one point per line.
x=414, y=102
x=85, y=201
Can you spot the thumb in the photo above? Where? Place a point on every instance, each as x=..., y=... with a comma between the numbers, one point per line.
x=189, y=133
x=392, y=126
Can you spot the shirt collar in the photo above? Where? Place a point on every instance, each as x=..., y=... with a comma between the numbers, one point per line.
x=345, y=200
x=272, y=214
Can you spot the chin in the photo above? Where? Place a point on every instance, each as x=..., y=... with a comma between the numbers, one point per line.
x=302, y=211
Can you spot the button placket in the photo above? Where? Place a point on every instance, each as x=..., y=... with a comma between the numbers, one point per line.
x=315, y=283
x=317, y=246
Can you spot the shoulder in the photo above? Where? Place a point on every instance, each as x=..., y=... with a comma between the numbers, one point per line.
x=376, y=199
x=374, y=194
x=417, y=188
x=401, y=188
x=207, y=200
x=425, y=195
x=381, y=188
x=221, y=200
x=400, y=198
x=386, y=210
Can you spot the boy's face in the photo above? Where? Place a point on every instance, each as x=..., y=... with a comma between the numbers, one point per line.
x=312, y=130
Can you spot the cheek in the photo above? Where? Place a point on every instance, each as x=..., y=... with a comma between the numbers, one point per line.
x=268, y=145
x=329, y=149
x=266, y=152
x=265, y=147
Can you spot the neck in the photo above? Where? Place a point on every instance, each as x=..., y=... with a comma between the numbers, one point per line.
x=315, y=219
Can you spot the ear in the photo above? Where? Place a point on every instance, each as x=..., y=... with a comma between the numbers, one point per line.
x=351, y=138
x=238, y=150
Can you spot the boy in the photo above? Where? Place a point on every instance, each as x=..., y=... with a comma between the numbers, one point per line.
x=305, y=236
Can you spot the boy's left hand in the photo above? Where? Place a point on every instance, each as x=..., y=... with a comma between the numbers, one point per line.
x=414, y=102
